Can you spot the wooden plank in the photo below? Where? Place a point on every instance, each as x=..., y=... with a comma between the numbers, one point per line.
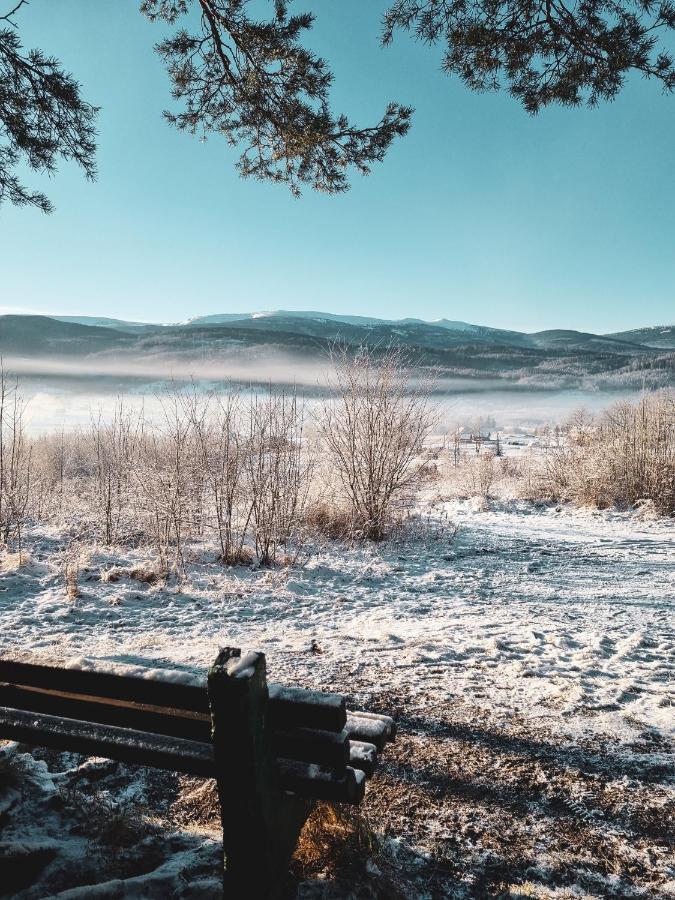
x=287, y=706
x=163, y=752
x=312, y=709
x=377, y=717
x=307, y=780
x=124, y=744
x=310, y=745
x=371, y=731
x=153, y=692
x=157, y=720
x=328, y=748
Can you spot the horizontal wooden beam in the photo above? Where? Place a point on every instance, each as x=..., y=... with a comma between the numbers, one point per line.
x=327, y=748
x=157, y=720
x=361, y=728
x=164, y=752
x=387, y=721
x=153, y=692
x=109, y=741
x=307, y=780
x=315, y=709
x=288, y=706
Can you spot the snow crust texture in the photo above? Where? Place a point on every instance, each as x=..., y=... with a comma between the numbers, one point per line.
x=529, y=636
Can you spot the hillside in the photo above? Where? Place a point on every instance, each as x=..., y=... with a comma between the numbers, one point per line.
x=662, y=336
x=558, y=357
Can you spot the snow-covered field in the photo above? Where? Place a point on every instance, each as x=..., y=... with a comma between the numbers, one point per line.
x=529, y=647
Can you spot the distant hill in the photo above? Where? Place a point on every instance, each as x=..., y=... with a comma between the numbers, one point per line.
x=557, y=357
x=35, y=336
x=580, y=340
x=657, y=336
x=104, y=322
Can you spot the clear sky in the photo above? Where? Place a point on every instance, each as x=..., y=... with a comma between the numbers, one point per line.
x=482, y=213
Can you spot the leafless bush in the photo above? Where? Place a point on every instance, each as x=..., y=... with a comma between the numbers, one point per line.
x=625, y=455
x=16, y=458
x=165, y=480
x=114, y=447
x=479, y=473
x=278, y=473
x=221, y=452
x=374, y=427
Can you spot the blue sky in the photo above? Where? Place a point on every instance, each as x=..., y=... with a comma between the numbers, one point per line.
x=482, y=213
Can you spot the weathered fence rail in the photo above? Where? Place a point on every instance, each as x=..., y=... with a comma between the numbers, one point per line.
x=273, y=750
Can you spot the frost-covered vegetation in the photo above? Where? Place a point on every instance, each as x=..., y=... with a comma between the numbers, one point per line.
x=524, y=644
x=250, y=472
x=257, y=474
x=622, y=457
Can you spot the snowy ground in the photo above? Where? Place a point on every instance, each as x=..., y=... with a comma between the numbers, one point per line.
x=528, y=652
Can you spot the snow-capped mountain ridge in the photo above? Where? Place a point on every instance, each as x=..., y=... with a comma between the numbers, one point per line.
x=223, y=318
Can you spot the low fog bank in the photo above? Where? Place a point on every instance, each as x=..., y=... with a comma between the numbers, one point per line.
x=106, y=370
x=66, y=400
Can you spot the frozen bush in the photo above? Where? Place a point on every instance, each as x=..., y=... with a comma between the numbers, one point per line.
x=624, y=456
x=374, y=426
x=278, y=472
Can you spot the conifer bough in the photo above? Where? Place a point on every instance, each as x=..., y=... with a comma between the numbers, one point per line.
x=255, y=83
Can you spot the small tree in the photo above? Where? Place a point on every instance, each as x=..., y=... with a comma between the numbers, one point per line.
x=114, y=447
x=16, y=458
x=221, y=454
x=374, y=427
x=278, y=473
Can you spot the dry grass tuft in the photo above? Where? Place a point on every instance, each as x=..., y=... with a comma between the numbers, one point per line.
x=333, y=840
x=242, y=556
x=10, y=562
x=196, y=805
x=71, y=575
x=117, y=826
x=142, y=574
x=330, y=520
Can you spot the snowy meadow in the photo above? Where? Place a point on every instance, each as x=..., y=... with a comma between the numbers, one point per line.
x=507, y=594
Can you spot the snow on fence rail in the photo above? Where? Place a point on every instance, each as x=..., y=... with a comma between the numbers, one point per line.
x=273, y=750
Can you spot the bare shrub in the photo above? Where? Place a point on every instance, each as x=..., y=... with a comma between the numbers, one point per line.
x=478, y=475
x=16, y=458
x=221, y=455
x=278, y=472
x=114, y=446
x=374, y=427
x=169, y=480
x=625, y=455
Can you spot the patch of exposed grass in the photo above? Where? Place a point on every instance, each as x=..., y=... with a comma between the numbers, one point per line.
x=142, y=574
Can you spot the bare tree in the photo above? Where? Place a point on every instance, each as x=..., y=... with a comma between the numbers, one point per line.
x=115, y=446
x=374, y=427
x=222, y=459
x=279, y=474
x=16, y=457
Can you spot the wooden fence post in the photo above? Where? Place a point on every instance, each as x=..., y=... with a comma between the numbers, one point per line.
x=261, y=823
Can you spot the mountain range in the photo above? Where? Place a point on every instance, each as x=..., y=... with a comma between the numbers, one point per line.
x=548, y=358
